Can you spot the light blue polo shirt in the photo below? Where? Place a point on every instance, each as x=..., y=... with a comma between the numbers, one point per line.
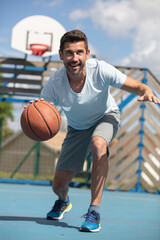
x=84, y=109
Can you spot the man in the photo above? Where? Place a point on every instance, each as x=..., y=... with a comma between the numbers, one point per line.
x=81, y=88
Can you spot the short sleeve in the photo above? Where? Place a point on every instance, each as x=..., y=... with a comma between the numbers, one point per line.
x=111, y=76
x=48, y=91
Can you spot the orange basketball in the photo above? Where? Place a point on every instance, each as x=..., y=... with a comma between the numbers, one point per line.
x=40, y=120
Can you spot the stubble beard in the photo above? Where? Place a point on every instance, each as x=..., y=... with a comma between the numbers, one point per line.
x=79, y=72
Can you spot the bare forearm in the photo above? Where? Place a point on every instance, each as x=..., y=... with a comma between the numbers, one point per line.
x=143, y=89
x=137, y=88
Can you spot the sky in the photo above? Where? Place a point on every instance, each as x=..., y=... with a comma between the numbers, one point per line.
x=121, y=32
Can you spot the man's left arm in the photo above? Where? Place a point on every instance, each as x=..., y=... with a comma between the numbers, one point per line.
x=145, y=92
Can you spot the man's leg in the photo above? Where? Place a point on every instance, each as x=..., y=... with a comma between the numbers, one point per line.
x=99, y=168
x=103, y=134
x=98, y=178
x=60, y=187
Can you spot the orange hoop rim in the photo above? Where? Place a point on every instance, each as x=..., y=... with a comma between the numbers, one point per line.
x=39, y=49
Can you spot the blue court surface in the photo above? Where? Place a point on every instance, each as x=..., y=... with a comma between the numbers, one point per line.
x=124, y=215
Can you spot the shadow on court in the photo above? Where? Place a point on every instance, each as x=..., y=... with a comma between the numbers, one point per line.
x=42, y=221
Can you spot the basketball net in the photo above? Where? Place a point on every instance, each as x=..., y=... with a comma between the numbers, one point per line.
x=39, y=49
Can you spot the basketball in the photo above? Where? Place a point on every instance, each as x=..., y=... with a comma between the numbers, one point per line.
x=40, y=120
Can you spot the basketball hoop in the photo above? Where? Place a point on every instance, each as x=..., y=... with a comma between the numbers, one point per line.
x=39, y=49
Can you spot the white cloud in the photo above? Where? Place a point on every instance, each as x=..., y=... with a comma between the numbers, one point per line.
x=138, y=20
x=111, y=16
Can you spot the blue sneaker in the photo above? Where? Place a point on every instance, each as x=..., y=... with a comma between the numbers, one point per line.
x=91, y=223
x=59, y=209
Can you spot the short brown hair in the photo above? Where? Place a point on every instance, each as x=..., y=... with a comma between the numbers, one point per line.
x=73, y=36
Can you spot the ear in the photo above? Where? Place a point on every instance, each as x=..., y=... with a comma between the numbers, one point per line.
x=60, y=55
x=88, y=53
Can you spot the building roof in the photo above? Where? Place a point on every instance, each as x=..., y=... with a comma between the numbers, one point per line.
x=53, y=144
x=56, y=141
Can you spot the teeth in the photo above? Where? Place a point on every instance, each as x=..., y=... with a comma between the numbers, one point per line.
x=74, y=65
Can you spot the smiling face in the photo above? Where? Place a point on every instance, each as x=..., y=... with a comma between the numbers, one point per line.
x=74, y=57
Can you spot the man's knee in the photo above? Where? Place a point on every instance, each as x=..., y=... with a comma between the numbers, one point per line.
x=61, y=180
x=57, y=185
x=98, y=146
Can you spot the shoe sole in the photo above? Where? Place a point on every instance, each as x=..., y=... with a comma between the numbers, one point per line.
x=85, y=229
x=60, y=217
x=88, y=230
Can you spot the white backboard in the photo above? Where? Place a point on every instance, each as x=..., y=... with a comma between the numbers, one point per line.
x=37, y=29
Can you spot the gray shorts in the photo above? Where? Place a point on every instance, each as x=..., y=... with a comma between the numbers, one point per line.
x=76, y=145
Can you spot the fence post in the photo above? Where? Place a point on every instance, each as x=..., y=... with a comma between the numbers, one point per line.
x=36, y=160
x=141, y=134
x=23, y=160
